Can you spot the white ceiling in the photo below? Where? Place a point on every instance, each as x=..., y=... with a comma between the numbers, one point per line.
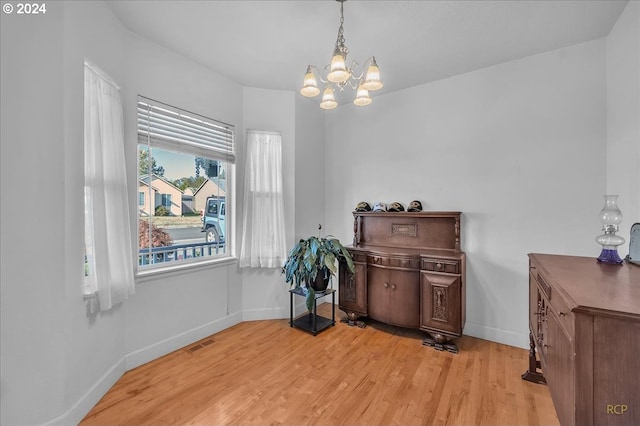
x=268, y=44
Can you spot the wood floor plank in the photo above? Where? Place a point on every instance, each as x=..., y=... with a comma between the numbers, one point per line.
x=265, y=372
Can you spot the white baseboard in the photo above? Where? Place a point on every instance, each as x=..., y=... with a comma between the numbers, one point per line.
x=144, y=355
x=497, y=335
x=76, y=413
x=265, y=314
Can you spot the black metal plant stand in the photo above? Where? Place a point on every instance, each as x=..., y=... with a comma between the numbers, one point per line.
x=313, y=322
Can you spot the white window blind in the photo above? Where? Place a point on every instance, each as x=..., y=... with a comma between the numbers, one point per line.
x=165, y=126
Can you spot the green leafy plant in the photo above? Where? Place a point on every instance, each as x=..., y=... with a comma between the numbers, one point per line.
x=315, y=258
x=162, y=211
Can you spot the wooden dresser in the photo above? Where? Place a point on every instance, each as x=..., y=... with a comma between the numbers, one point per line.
x=409, y=272
x=584, y=322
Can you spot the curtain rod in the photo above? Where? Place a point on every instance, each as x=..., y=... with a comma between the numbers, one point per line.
x=264, y=132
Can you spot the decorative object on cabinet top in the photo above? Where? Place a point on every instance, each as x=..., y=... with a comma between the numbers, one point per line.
x=380, y=207
x=610, y=217
x=413, y=206
x=363, y=206
x=396, y=207
x=634, y=245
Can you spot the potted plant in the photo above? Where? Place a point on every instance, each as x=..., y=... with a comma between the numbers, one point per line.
x=312, y=262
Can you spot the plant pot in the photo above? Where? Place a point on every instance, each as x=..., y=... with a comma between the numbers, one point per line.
x=321, y=283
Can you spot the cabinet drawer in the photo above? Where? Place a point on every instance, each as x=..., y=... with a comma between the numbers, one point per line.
x=393, y=261
x=358, y=257
x=440, y=265
x=562, y=312
x=553, y=301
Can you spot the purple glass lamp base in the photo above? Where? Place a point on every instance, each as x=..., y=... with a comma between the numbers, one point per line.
x=610, y=256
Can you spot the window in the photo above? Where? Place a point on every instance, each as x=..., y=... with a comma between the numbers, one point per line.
x=166, y=200
x=186, y=170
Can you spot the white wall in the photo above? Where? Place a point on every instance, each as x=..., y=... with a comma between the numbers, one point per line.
x=517, y=147
x=623, y=117
x=310, y=169
x=32, y=324
x=92, y=32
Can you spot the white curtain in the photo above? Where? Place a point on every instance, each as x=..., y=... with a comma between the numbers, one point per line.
x=109, y=259
x=263, y=236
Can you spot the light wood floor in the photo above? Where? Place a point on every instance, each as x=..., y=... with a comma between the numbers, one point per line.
x=264, y=372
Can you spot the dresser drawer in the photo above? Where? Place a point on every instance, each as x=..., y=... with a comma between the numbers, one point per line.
x=393, y=261
x=358, y=256
x=440, y=265
x=562, y=312
x=554, y=300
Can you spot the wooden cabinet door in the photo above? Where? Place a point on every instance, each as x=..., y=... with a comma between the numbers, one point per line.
x=440, y=303
x=352, y=289
x=378, y=296
x=393, y=296
x=558, y=349
x=404, y=298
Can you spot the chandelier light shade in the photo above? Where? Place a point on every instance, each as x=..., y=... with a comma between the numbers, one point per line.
x=338, y=72
x=328, y=100
x=372, y=79
x=362, y=96
x=310, y=87
x=339, y=75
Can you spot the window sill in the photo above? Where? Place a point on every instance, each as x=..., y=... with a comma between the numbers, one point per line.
x=181, y=269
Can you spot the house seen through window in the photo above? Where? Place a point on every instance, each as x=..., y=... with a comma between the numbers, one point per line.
x=185, y=166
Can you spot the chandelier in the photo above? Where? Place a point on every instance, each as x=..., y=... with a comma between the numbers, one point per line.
x=339, y=76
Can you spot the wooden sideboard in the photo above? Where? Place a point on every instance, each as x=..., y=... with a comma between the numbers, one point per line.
x=584, y=320
x=409, y=272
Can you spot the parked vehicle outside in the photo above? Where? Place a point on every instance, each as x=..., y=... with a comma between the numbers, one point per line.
x=213, y=219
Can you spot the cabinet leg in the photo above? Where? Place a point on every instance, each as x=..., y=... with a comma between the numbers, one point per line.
x=440, y=343
x=532, y=374
x=352, y=320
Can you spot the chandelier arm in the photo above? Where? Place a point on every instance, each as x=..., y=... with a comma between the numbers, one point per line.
x=352, y=68
x=352, y=84
x=319, y=74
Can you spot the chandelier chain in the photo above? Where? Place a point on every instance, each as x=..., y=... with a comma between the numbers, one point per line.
x=340, y=46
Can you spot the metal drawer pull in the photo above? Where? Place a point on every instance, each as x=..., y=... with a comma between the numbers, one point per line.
x=386, y=285
x=393, y=286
